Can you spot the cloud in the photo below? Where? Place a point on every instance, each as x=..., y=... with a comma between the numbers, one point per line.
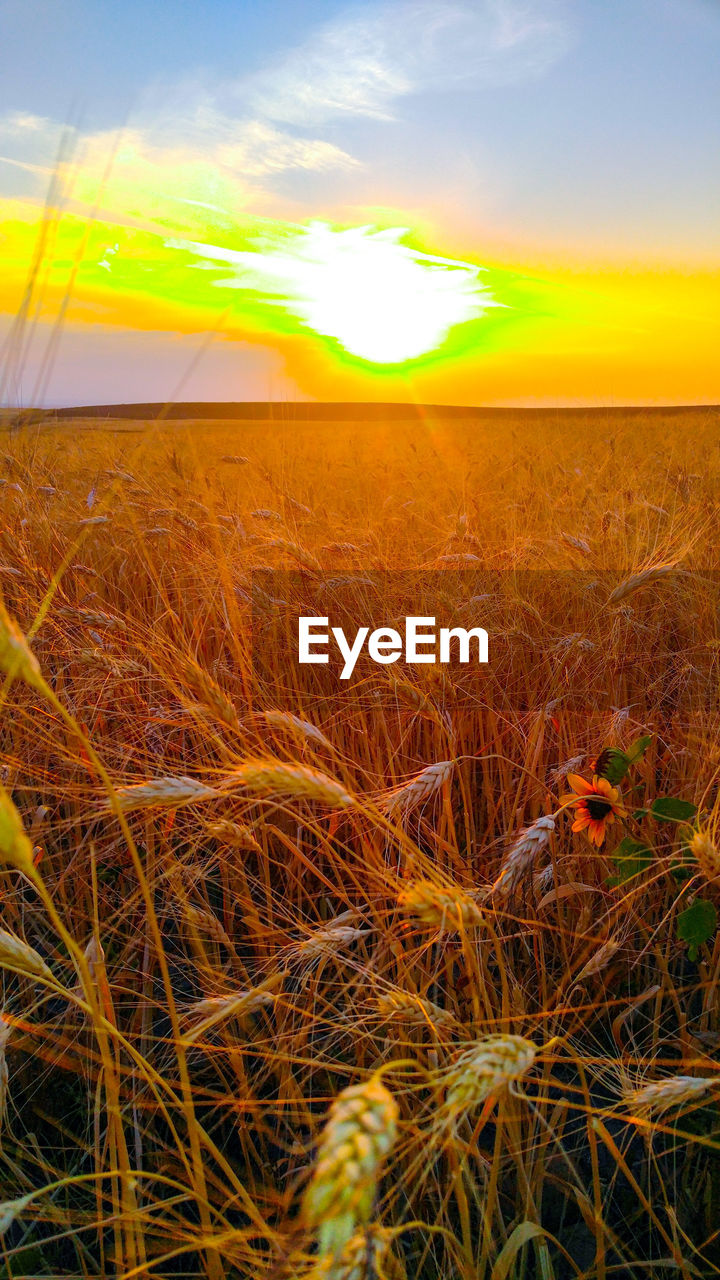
x=360, y=63
x=223, y=147
x=256, y=149
x=166, y=161
x=28, y=142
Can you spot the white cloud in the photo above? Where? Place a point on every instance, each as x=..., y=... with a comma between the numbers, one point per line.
x=256, y=149
x=224, y=146
x=29, y=142
x=22, y=122
x=198, y=157
x=360, y=63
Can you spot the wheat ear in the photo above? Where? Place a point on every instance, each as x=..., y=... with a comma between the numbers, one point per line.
x=359, y=1134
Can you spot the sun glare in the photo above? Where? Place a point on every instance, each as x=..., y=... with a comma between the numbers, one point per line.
x=381, y=299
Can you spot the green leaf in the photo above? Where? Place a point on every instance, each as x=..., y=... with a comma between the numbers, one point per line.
x=631, y=858
x=696, y=925
x=612, y=764
x=684, y=867
x=640, y=813
x=637, y=749
x=670, y=809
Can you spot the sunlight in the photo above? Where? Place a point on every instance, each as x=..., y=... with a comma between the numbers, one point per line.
x=380, y=299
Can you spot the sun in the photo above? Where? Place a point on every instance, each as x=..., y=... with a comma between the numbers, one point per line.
x=381, y=299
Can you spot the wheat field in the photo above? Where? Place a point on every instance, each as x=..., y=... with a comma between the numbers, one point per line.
x=303, y=982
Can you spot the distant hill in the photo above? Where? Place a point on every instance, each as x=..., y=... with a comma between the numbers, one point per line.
x=324, y=411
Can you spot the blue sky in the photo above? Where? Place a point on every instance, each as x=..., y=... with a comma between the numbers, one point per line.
x=603, y=127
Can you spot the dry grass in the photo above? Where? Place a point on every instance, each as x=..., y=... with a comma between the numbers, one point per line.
x=285, y=971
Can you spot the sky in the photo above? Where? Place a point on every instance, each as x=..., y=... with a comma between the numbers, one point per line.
x=449, y=201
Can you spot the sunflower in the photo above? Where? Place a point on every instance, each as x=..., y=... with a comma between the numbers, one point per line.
x=597, y=804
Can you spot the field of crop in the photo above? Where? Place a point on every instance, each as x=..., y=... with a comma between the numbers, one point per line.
x=303, y=980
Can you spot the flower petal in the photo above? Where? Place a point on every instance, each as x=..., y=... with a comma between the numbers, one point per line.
x=579, y=784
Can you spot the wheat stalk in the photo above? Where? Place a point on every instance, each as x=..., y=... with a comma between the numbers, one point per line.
x=235, y=834
x=5, y=1034
x=441, y=907
x=303, y=557
x=643, y=578
x=578, y=544
x=11, y=1209
x=286, y=720
x=663, y=1095
x=359, y=1134
x=487, y=1066
x=706, y=855
x=162, y=793
x=206, y=1014
x=15, y=847
x=17, y=660
x=324, y=942
x=265, y=513
x=368, y=1255
x=19, y=957
x=215, y=700
x=401, y=1006
x=412, y=794
x=274, y=778
x=600, y=959
x=520, y=859
x=342, y=548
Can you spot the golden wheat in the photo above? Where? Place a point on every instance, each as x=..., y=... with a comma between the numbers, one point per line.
x=643, y=578
x=484, y=1068
x=600, y=960
x=522, y=855
x=161, y=793
x=234, y=834
x=412, y=794
x=303, y=557
x=274, y=931
x=17, y=660
x=706, y=854
x=286, y=720
x=401, y=1006
x=439, y=907
x=368, y=1255
x=277, y=780
x=324, y=942
x=664, y=1095
x=15, y=847
x=19, y=957
x=358, y=1136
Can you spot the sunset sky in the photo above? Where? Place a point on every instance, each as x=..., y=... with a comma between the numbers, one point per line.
x=481, y=202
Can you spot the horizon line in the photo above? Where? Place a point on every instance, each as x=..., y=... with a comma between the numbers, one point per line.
x=330, y=409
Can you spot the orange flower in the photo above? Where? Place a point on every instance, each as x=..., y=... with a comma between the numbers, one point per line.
x=596, y=803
